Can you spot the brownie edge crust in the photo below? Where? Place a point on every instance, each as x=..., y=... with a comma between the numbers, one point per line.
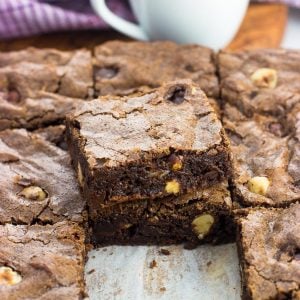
x=168, y=141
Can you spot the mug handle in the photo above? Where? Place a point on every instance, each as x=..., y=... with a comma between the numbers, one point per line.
x=126, y=27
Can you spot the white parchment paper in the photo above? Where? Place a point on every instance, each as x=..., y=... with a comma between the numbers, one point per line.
x=124, y=272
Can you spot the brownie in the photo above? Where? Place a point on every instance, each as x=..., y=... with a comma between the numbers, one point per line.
x=34, y=112
x=265, y=81
x=269, y=248
x=195, y=218
x=121, y=68
x=71, y=70
x=167, y=141
x=54, y=134
x=42, y=262
x=261, y=112
x=37, y=183
x=38, y=87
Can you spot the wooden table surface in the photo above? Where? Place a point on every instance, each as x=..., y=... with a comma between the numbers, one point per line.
x=263, y=26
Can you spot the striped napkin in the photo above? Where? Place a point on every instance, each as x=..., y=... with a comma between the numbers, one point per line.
x=28, y=17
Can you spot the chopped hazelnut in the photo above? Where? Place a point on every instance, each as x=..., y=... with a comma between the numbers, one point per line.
x=202, y=224
x=259, y=185
x=175, y=162
x=265, y=78
x=9, y=277
x=172, y=187
x=79, y=175
x=33, y=193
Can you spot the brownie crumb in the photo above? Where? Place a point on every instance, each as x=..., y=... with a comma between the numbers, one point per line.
x=91, y=271
x=163, y=289
x=153, y=264
x=209, y=264
x=164, y=252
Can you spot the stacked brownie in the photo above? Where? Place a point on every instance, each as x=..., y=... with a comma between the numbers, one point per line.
x=153, y=166
x=261, y=113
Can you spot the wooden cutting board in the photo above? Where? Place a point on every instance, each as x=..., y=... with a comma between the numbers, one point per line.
x=263, y=26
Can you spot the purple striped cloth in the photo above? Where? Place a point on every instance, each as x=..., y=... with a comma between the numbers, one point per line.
x=28, y=17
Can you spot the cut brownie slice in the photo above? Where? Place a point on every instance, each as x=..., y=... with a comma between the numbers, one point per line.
x=261, y=112
x=17, y=111
x=42, y=262
x=28, y=96
x=72, y=70
x=266, y=164
x=123, y=67
x=198, y=217
x=263, y=81
x=37, y=183
x=168, y=141
x=269, y=248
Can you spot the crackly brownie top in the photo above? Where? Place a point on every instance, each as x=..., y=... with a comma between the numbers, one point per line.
x=37, y=183
x=118, y=130
x=262, y=81
x=30, y=70
x=261, y=94
x=270, y=241
x=123, y=67
x=41, y=262
x=266, y=158
x=20, y=111
x=35, y=55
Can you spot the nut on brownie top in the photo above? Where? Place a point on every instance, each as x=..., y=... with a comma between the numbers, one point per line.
x=37, y=183
x=176, y=116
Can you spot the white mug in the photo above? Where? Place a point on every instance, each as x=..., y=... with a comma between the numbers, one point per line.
x=212, y=23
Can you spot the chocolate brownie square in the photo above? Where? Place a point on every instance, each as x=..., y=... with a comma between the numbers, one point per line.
x=71, y=70
x=269, y=249
x=266, y=165
x=261, y=114
x=265, y=81
x=42, y=262
x=29, y=98
x=121, y=68
x=37, y=183
x=168, y=141
x=195, y=218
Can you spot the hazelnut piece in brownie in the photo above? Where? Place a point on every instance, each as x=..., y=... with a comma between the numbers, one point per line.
x=123, y=67
x=37, y=182
x=269, y=249
x=42, y=262
x=195, y=218
x=165, y=142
